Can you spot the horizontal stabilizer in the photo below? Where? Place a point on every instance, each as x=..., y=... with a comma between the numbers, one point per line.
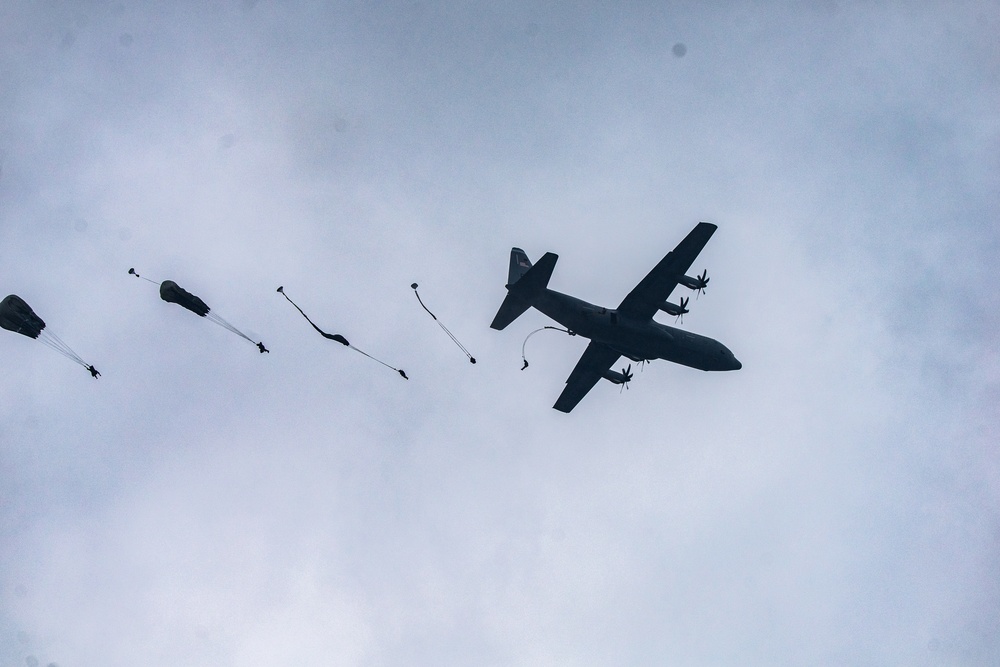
x=511, y=309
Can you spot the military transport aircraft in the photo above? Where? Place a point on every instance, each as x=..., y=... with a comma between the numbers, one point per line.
x=629, y=330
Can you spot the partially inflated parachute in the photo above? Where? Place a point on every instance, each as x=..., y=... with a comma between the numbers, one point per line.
x=171, y=292
x=17, y=316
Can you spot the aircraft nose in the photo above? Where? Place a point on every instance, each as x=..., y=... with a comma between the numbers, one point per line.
x=736, y=364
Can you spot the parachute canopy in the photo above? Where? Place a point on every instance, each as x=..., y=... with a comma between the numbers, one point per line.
x=171, y=292
x=17, y=316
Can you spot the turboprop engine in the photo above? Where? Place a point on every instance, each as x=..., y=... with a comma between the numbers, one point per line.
x=674, y=309
x=622, y=378
x=698, y=283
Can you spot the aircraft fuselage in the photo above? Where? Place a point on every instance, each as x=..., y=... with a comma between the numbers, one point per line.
x=638, y=340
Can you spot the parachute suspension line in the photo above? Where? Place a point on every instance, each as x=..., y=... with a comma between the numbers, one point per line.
x=401, y=373
x=132, y=272
x=54, y=342
x=210, y=315
x=472, y=359
x=525, y=359
x=215, y=317
x=337, y=337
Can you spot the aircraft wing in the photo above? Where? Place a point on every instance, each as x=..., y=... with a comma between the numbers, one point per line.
x=655, y=288
x=596, y=359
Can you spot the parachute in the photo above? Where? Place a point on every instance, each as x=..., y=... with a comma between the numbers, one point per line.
x=17, y=316
x=337, y=337
x=472, y=359
x=171, y=292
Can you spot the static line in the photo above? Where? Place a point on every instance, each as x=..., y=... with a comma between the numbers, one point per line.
x=525, y=359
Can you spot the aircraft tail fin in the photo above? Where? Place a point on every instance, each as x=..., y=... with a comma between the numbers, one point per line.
x=519, y=265
x=526, y=283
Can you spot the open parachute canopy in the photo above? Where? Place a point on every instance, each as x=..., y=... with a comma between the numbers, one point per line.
x=17, y=316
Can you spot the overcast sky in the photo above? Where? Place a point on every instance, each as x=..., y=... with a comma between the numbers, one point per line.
x=835, y=502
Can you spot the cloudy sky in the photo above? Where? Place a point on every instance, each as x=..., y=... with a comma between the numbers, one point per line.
x=835, y=502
